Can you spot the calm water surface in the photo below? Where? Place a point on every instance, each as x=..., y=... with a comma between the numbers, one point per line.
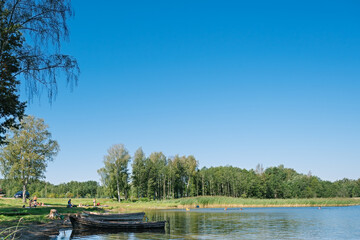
x=248, y=223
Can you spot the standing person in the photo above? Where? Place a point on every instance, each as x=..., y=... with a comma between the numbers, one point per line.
x=94, y=202
x=35, y=200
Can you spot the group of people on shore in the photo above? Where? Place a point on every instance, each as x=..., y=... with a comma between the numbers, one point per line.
x=34, y=203
x=69, y=205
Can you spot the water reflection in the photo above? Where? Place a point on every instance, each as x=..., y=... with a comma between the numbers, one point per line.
x=255, y=223
x=214, y=223
x=70, y=234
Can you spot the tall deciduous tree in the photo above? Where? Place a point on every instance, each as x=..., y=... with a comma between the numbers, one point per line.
x=157, y=176
x=27, y=152
x=30, y=40
x=115, y=172
x=191, y=168
x=139, y=178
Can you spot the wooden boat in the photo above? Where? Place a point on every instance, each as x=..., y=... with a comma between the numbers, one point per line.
x=139, y=216
x=91, y=223
x=83, y=232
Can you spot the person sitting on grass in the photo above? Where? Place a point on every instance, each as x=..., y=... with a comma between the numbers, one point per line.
x=69, y=203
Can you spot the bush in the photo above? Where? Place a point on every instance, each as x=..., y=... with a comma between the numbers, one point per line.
x=143, y=200
x=69, y=195
x=51, y=195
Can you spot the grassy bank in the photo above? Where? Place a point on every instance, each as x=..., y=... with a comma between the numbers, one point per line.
x=214, y=201
x=11, y=209
x=248, y=202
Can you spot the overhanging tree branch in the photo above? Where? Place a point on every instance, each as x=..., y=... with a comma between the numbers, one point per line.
x=30, y=52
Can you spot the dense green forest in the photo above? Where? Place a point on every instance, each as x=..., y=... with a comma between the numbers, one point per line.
x=45, y=189
x=159, y=177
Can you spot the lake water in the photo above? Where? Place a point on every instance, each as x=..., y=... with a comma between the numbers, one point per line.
x=248, y=223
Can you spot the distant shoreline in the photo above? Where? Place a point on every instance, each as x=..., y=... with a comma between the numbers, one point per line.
x=229, y=202
x=9, y=206
x=265, y=206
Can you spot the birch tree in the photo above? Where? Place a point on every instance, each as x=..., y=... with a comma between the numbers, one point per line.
x=115, y=172
x=27, y=151
x=31, y=33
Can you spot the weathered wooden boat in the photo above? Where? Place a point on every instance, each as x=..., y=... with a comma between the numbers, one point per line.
x=139, y=216
x=91, y=223
x=83, y=232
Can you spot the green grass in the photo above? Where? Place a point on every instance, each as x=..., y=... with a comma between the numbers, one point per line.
x=11, y=210
x=38, y=214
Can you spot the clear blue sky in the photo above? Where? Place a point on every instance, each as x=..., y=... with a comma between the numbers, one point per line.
x=230, y=82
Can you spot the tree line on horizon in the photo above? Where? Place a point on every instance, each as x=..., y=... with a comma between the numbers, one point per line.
x=157, y=177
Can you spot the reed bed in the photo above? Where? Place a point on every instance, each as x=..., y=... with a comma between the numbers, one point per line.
x=213, y=201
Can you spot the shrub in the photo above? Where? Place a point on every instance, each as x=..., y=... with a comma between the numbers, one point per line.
x=69, y=195
x=143, y=200
x=51, y=195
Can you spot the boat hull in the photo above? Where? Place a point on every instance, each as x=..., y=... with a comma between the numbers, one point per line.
x=115, y=217
x=89, y=223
